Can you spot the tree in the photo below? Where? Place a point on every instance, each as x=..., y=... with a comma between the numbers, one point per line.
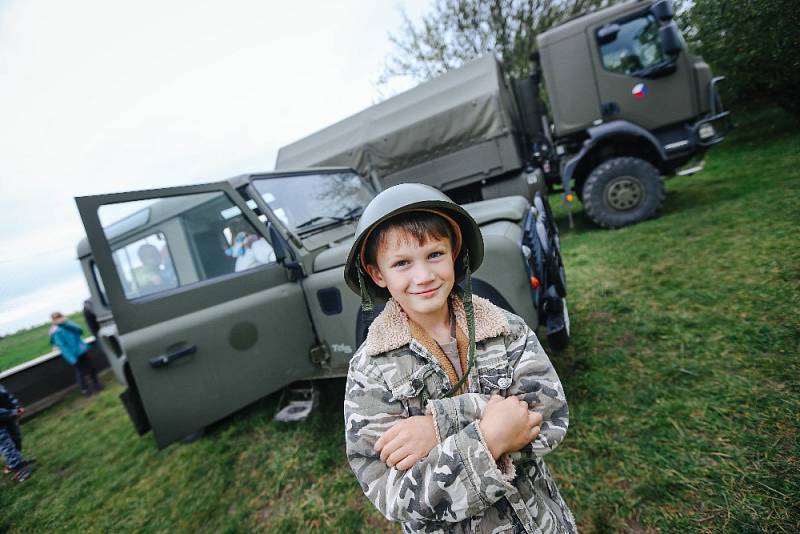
x=456, y=31
x=754, y=43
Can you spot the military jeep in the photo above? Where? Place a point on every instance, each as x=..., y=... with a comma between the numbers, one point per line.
x=213, y=296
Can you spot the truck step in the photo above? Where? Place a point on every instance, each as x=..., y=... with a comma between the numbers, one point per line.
x=297, y=403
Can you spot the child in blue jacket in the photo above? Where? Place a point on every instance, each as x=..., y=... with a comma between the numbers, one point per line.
x=66, y=336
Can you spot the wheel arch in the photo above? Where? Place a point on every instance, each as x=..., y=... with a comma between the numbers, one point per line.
x=612, y=140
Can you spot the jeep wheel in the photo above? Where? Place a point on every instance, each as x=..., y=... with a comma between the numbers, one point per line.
x=558, y=328
x=623, y=191
x=548, y=235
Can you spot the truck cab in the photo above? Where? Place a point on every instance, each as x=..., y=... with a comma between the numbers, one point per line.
x=214, y=295
x=629, y=104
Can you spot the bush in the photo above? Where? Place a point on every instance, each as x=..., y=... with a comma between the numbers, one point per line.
x=754, y=43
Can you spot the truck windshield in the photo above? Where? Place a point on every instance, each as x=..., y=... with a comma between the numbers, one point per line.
x=635, y=49
x=307, y=202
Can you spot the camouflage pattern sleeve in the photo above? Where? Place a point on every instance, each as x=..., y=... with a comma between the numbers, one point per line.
x=534, y=380
x=457, y=480
x=453, y=414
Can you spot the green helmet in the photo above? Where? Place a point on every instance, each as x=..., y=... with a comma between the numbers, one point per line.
x=404, y=198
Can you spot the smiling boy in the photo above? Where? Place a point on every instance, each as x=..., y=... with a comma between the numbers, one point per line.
x=450, y=401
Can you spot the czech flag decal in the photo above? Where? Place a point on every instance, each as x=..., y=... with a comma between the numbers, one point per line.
x=639, y=91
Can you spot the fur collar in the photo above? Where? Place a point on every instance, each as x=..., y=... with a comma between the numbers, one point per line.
x=391, y=329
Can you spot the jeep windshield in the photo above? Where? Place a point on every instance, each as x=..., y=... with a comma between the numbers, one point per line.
x=307, y=203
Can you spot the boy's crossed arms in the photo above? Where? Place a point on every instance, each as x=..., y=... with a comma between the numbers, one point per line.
x=506, y=425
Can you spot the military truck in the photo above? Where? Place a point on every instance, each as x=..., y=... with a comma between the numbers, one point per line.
x=627, y=104
x=212, y=296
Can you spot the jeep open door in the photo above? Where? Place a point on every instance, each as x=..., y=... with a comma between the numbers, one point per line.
x=200, y=304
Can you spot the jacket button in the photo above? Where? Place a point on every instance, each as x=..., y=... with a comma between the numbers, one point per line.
x=504, y=382
x=416, y=383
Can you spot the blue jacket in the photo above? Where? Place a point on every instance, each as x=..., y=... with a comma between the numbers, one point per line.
x=67, y=338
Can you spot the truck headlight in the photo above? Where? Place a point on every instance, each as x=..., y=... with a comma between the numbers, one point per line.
x=706, y=131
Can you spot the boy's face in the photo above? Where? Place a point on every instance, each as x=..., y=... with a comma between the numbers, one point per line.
x=418, y=276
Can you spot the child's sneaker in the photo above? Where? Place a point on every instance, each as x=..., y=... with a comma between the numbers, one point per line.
x=22, y=473
x=26, y=462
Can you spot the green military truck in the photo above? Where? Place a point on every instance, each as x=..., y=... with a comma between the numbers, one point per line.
x=212, y=296
x=627, y=105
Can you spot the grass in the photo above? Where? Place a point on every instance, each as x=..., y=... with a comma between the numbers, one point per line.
x=682, y=378
x=31, y=343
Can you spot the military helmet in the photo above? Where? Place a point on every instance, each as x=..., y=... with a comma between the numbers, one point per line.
x=405, y=198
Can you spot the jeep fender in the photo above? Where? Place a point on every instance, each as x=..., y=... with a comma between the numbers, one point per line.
x=602, y=132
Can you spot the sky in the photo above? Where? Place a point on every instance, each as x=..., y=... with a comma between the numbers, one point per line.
x=102, y=96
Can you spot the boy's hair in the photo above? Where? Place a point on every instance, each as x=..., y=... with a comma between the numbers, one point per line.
x=422, y=225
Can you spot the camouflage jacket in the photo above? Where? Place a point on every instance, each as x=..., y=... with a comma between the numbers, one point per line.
x=399, y=372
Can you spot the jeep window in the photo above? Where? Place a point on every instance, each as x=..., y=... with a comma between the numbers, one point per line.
x=186, y=239
x=310, y=201
x=145, y=266
x=635, y=49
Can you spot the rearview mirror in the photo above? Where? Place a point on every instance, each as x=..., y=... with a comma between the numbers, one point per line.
x=671, y=39
x=663, y=10
x=608, y=33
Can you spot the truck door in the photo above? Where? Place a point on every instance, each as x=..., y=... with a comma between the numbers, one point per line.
x=208, y=321
x=631, y=79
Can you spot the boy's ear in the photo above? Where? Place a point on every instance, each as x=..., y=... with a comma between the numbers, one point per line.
x=376, y=276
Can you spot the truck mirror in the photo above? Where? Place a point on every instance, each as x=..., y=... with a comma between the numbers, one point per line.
x=671, y=39
x=608, y=33
x=278, y=245
x=662, y=10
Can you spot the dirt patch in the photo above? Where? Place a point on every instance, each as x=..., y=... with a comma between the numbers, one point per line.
x=264, y=513
x=632, y=526
x=598, y=315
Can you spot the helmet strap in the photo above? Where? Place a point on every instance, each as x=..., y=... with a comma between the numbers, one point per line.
x=366, y=299
x=469, y=311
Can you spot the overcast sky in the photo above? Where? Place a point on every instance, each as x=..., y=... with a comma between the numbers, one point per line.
x=100, y=96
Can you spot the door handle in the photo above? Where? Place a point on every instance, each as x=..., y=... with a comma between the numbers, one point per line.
x=168, y=358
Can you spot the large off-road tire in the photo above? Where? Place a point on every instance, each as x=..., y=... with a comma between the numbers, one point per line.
x=623, y=191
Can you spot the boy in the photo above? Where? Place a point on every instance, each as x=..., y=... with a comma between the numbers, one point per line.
x=10, y=436
x=450, y=401
x=67, y=337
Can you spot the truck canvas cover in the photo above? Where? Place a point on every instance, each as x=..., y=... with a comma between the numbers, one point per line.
x=461, y=109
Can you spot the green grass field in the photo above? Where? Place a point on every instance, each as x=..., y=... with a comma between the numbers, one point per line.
x=28, y=344
x=682, y=377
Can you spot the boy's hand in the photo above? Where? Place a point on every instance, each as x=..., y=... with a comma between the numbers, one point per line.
x=407, y=441
x=507, y=425
x=20, y=411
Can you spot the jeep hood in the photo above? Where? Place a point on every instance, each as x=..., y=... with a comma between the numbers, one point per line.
x=484, y=212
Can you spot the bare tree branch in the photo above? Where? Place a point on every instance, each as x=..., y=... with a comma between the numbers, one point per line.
x=456, y=31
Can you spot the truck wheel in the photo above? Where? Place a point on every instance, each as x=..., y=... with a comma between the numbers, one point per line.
x=623, y=191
